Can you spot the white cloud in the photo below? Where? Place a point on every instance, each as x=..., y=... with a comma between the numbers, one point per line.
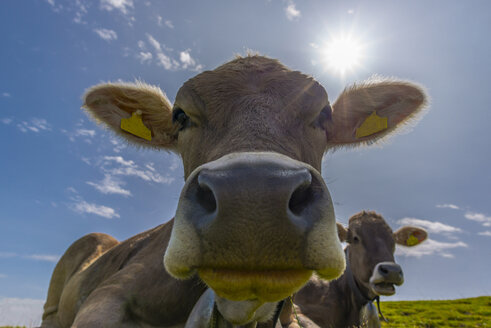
x=119, y=160
x=351, y=11
x=21, y=312
x=110, y=185
x=3, y=275
x=166, y=62
x=80, y=133
x=80, y=12
x=186, y=59
x=150, y=167
x=56, y=8
x=479, y=217
x=141, y=45
x=144, y=57
x=106, y=34
x=78, y=18
x=430, y=247
x=485, y=233
x=452, y=206
x=121, y=5
x=118, y=146
x=7, y=255
x=175, y=164
x=169, y=24
x=6, y=121
x=81, y=206
x=6, y=95
x=129, y=168
x=189, y=62
x=85, y=133
x=431, y=226
x=41, y=124
x=39, y=257
x=43, y=257
x=292, y=12
x=34, y=125
x=154, y=43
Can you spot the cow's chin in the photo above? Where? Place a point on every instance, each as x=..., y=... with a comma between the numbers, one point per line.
x=383, y=289
x=264, y=286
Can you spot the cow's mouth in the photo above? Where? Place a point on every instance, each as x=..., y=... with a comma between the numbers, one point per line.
x=383, y=288
x=263, y=285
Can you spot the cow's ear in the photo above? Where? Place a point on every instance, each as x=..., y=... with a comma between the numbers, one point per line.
x=342, y=232
x=410, y=236
x=369, y=111
x=138, y=112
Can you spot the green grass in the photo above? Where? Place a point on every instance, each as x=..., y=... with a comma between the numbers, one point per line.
x=467, y=312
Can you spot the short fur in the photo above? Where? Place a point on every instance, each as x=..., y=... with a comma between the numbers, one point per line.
x=335, y=303
x=253, y=108
x=384, y=95
x=120, y=100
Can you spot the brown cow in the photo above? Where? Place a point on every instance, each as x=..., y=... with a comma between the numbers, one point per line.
x=254, y=219
x=370, y=272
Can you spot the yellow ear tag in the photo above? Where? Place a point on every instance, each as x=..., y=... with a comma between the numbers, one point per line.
x=412, y=240
x=371, y=125
x=135, y=126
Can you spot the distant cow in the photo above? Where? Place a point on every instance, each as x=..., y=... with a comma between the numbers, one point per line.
x=254, y=219
x=370, y=272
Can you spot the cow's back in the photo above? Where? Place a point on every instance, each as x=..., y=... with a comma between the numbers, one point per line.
x=131, y=270
x=78, y=257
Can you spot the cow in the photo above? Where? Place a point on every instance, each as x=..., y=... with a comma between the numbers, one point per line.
x=254, y=219
x=370, y=273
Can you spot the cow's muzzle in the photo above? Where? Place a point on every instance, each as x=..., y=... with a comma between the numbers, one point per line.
x=254, y=225
x=385, y=276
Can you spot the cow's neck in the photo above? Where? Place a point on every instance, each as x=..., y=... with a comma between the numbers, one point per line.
x=206, y=313
x=357, y=293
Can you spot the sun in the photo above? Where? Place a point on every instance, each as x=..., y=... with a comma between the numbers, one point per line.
x=342, y=53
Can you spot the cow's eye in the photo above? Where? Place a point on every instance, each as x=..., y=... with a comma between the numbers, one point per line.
x=324, y=116
x=179, y=117
x=356, y=240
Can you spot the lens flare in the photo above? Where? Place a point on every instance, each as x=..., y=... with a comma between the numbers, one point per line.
x=343, y=53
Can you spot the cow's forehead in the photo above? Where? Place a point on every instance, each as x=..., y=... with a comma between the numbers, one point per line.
x=369, y=223
x=258, y=76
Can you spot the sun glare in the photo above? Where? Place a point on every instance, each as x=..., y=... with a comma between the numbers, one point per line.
x=342, y=54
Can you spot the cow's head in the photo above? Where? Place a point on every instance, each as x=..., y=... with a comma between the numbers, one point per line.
x=255, y=218
x=370, y=251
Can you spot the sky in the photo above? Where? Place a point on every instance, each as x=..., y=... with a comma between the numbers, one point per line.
x=63, y=176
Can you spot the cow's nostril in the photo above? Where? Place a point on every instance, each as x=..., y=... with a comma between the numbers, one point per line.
x=206, y=198
x=383, y=270
x=302, y=197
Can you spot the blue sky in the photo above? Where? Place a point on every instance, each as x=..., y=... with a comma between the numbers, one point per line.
x=62, y=176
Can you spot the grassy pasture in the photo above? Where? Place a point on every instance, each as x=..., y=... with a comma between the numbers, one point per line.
x=466, y=312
